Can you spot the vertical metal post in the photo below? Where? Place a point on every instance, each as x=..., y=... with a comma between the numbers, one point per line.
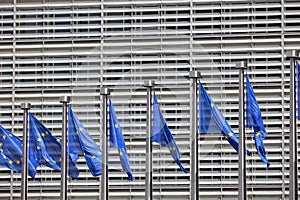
x=148, y=181
x=242, y=159
x=293, y=189
x=24, y=188
x=194, y=175
x=64, y=159
x=104, y=177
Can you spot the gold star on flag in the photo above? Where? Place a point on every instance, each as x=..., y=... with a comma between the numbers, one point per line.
x=226, y=137
x=18, y=162
x=10, y=162
x=99, y=153
x=47, y=160
x=38, y=147
x=57, y=140
x=80, y=129
x=230, y=134
x=47, y=132
x=212, y=105
x=172, y=148
x=1, y=143
x=257, y=133
x=121, y=153
x=10, y=135
x=43, y=134
x=3, y=136
x=117, y=125
x=93, y=156
x=39, y=139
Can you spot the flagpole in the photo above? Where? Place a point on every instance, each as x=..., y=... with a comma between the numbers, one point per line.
x=242, y=190
x=24, y=189
x=148, y=181
x=104, y=177
x=64, y=159
x=293, y=189
x=194, y=175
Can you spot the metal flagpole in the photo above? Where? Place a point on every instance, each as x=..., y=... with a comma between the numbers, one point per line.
x=104, y=177
x=64, y=159
x=148, y=184
x=194, y=178
x=293, y=190
x=242, y=159
x=24, y=187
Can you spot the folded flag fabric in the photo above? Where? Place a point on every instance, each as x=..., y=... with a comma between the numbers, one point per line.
x=117, y=140
x=81, y=143
x=254, y=119
x=162, y=134
x=11, y=152
x=298, y=87
x=211, y=119
x=45, y=148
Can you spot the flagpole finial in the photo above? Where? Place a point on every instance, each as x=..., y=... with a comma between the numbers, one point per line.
x=242, y=64
x=149, y=83
x=25, y=106
x=64, y=99
x=104, y=91
x=194, y=74
x=292, y=54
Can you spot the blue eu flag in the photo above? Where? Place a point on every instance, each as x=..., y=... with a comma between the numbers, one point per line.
x=211, y=119
x=298, y=87
x=162, y=134
x=11, y=152
x=81, y=143
x=45, y=148
x=117, y=140
x=254, y=119
x=7, y=162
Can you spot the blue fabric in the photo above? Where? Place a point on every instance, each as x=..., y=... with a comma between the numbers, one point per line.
x=11, y=152
x=254, y=119
x=162, y=134
x=80, y=142
x=117, y=140
x=45, y=148
x=298, y=87
x=211, y=119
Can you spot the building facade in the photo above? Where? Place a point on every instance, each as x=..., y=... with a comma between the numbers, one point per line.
x=51, y=48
